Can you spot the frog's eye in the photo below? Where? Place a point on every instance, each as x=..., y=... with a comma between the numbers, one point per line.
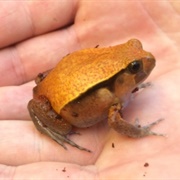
x=135, y=66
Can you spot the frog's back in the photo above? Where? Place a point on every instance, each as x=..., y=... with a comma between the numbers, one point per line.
x=81, y=70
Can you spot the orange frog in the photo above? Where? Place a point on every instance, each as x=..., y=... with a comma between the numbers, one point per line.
x=88, y=86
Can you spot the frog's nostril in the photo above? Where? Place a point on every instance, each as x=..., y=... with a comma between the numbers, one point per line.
x=150, y=63
x=151, y=59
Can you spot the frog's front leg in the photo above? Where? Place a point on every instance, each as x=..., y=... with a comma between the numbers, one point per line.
x=41, y=76
x=123, y=127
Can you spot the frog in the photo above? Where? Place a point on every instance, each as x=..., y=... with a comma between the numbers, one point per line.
x=89, y=86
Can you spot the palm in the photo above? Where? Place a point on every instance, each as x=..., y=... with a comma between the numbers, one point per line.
x=21, y=144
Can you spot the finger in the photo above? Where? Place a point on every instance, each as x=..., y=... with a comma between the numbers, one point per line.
x=23, y=144
x=53, y=170
x=14, y=100
x=21, y=63
x=24, y=19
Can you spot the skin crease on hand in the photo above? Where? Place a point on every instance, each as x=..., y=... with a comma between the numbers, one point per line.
x=34, y=36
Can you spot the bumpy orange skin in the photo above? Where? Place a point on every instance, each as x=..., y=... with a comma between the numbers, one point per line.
x=81, y=70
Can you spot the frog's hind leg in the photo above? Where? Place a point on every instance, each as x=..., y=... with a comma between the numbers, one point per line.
x=50, y=123
x=60, y=139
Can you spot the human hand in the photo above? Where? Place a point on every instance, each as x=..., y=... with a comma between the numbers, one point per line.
x=35, y=36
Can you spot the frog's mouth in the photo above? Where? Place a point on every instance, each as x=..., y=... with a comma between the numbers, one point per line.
x=141, y=76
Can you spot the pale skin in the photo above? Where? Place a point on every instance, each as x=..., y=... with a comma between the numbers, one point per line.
x=25, y=153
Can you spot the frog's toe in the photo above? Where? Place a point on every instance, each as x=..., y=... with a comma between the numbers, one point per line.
x=154, y=123
x=144, y=85
x=146, y=130
x=76, y=145
x=156, y=134
x=74, y=132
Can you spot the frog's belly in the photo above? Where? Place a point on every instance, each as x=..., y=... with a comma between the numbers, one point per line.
x=89, y=109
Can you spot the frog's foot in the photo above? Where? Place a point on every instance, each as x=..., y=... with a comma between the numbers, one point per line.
x=135, y=131
x=60, y=139
x=142, y=86
x=147, y=129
